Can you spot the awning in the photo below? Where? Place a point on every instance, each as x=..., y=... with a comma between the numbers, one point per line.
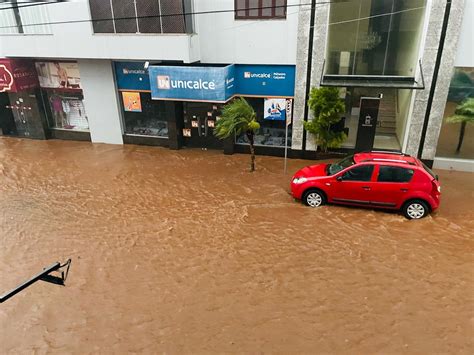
x=372, y=82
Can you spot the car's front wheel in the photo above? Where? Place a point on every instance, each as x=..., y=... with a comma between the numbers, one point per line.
x=415, y=209
x=314, y=198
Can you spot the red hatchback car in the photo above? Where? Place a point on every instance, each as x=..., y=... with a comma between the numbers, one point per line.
x=376, y=179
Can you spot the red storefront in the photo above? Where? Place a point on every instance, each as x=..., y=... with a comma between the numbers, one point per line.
x=21, y=109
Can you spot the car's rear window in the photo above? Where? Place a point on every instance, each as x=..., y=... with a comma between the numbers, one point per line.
x=429, y=171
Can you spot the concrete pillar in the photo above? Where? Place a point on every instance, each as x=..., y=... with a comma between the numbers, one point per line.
x=101, y=101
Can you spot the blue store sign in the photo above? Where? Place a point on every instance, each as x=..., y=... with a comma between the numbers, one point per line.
x=265, y=80
x=213, y=84
x=132, y=76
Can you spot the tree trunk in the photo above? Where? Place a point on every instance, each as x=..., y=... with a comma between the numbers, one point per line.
x=250, y=136
x=461, y=136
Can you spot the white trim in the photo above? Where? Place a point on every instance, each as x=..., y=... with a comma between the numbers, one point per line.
x=454, y=164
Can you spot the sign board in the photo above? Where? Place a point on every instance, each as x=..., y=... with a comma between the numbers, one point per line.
x=59, y=75
x=265, y=80
x=131, y=101
x=132, y=76
x=238, y=79
x=274, y=109
x=369, y=110
x=17, y=75
x=212, y=84
x=289, y=111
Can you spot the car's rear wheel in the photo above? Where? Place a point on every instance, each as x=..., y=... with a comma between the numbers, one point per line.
x=415, y=209
x=314, y=198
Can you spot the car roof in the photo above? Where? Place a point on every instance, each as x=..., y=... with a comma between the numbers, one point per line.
x=386, y=157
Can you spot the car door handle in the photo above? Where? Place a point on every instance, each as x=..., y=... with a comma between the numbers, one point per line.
x=366, y=187
x=404, y=190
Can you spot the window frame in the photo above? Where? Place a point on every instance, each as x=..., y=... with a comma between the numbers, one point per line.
x=273, y=16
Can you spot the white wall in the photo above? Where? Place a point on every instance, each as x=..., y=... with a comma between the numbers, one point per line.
x=77, y=40
x=226, y=40
x=465, y=53
x=100, y=101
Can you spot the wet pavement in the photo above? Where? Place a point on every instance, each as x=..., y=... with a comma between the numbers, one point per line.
x=187, y=252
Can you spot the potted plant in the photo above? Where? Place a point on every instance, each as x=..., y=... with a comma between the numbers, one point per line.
x=327, y=107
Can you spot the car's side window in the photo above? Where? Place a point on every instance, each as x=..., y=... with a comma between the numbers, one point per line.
x=359, y=173
x=394, y=174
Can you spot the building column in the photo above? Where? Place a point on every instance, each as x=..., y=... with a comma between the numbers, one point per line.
x=444, y=79
x=318, y=56
x=101, y=101
x=421, y=97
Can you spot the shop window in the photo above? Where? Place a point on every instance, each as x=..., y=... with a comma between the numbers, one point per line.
x=144, y=116
x=141, y=16
x=374, y=37
x=62, y=95
x=272, y=131
x=456, y=139
x=260, y=9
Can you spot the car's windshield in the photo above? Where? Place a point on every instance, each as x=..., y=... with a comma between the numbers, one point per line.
x=344, y=163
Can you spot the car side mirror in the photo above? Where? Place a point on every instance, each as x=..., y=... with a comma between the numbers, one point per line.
x=339, y=178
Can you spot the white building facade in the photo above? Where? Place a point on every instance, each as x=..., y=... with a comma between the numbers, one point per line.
x=90, y=70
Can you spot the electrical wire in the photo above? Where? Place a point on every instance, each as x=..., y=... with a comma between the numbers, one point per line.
x=27, y=4
x=156, y=16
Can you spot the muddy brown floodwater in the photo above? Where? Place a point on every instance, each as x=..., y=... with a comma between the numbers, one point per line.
x=187, y=252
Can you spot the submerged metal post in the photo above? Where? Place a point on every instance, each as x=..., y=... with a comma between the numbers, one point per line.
x=40, y=276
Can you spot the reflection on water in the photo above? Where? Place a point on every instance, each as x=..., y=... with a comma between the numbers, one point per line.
x=186, y=252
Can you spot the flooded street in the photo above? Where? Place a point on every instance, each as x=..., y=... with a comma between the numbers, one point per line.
x=186, y=252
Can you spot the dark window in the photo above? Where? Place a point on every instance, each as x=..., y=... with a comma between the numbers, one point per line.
x=150, y=120
x=359, y=173
x=141, y=16
x=101, y=10
x=394, y=174
x=259, y=9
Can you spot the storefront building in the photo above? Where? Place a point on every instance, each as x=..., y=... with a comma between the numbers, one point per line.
x=21, y=109
x=391, y=61
x=42, y=100
x=178, y=106
x=63, y=100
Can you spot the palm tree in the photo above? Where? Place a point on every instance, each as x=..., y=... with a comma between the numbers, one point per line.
x=464, y=114
x=238, y=117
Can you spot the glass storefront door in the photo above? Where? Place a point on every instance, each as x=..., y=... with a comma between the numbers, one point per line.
x=199, y=121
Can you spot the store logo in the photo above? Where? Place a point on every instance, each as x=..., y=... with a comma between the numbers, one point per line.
x=6, y=79
x=165, y=83
x=133, y=71
x=249, y=75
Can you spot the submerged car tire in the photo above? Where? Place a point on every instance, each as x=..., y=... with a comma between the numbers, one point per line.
x=314, y=198
x=415, y=209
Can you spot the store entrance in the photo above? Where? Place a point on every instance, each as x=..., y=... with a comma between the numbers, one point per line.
x=199, y=121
